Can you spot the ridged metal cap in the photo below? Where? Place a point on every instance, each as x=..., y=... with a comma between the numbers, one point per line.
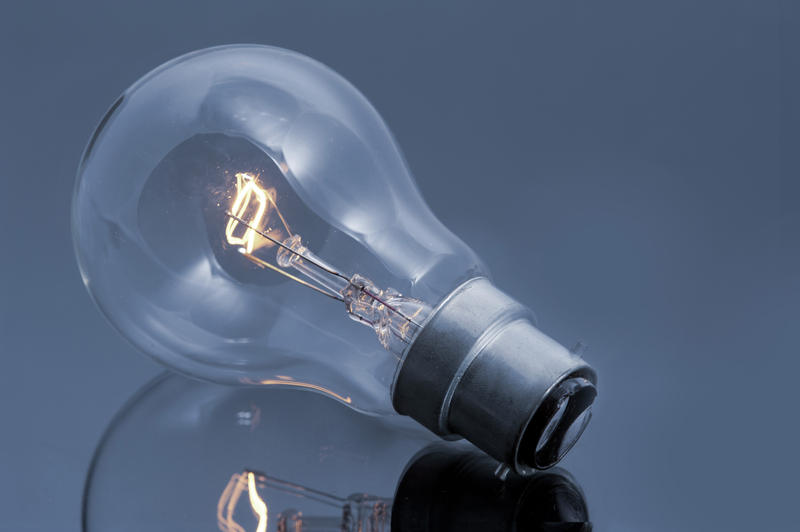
x=480, y=369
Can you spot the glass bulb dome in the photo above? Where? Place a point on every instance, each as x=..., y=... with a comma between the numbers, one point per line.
x=227, y=192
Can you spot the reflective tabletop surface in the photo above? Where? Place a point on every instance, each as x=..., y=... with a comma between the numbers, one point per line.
x=626, y=169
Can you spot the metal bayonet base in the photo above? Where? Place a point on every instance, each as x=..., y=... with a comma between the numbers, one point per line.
x=480, y=369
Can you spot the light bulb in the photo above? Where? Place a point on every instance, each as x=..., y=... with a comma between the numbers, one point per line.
x=242, y=214
x=191, y=455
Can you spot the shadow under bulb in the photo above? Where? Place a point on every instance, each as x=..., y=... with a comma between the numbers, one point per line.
x=242, y=214
x=189, y=455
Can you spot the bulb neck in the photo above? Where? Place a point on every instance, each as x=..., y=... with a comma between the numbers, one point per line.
x=480, y=369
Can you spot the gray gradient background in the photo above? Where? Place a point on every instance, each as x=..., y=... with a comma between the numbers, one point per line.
x=628, y=168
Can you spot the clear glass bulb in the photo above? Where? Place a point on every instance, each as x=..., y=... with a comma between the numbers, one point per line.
x=227, y=193
x=242, y=214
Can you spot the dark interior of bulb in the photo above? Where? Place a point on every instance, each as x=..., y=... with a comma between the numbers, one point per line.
x=557, y=424
x=183, y=206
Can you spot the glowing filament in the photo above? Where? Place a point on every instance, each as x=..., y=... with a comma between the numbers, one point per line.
x=246, y=191
x=257, y=503
x=226, y=507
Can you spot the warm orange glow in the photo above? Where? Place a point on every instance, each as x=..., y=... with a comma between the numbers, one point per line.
x=310, y=386
x=257, y=503
x=246, y=190
x=254, y=205
x=226, y=507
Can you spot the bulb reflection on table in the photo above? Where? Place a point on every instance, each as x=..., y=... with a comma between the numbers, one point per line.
x=188, y=455
x=359, y=512
x=230, y=499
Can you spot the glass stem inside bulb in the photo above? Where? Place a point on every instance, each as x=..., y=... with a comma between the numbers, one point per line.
x=359, y=513
x=395, y=318
x=295, y=255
